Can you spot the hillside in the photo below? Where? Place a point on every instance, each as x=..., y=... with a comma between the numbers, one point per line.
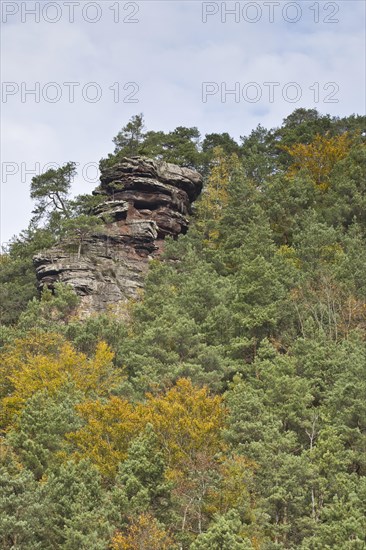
x=225, y=409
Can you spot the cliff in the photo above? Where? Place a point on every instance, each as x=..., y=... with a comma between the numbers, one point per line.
x=144, y=201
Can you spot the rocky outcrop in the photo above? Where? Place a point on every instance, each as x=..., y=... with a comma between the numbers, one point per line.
x=142, y=201
x=157, y=191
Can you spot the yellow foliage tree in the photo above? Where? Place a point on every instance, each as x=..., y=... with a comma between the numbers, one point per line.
x=215, y=196
x=318, y=157
x=45, y=361
x=108, y=430
x=188, y=422
x=144, y=533
x=236, y=475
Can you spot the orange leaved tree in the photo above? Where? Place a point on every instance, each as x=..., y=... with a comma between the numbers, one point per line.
x=45, y=361
x=318, y=157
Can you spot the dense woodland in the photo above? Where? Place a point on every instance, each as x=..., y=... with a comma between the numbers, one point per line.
x=227, y=411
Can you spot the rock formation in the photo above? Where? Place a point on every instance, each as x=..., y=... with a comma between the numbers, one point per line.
x=144, y=201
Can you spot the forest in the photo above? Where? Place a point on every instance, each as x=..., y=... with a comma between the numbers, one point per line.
x=227, y=410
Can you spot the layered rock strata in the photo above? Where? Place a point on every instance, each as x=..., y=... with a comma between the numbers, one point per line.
x=144, y=201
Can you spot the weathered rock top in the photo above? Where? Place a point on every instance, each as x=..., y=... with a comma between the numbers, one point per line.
x=144, y=201
x=186, y=179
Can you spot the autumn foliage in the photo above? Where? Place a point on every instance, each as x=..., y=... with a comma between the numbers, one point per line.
x=144, y=533
x=227, y=410
x=45, y=361
x=318, y=157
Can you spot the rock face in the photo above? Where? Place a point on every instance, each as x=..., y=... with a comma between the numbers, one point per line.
x=144, y=201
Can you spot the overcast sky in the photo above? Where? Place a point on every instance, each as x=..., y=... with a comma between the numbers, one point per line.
x=92, y=65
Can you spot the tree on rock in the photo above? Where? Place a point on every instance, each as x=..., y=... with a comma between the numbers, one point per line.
x=79, y=228
x=51, y=192
x=129, y=139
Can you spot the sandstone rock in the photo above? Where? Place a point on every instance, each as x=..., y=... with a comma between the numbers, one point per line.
x=144, y=201
x=112, y=209
x=164, y=172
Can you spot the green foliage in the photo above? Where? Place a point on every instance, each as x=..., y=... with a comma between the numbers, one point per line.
x=51, y=312
x=67, y=509
x=38, y=438
x=140, y=484
x=21, y=509
x=249, y=338
x=224, y=534
x=78, y=229
x=78, y=512
x=181, y=146
x=62, y=217
x=18, y=282
x=128, y=140
x=51, y=192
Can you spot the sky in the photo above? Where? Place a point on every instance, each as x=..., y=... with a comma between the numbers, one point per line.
x=74, y=72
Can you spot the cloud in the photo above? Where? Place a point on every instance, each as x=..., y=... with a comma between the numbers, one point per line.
x=169, y=53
